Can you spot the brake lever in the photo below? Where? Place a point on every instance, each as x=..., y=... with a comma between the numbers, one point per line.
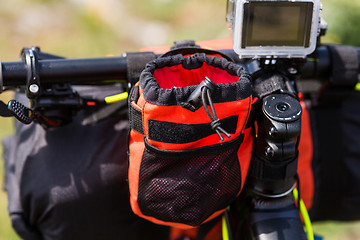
x=22, y=113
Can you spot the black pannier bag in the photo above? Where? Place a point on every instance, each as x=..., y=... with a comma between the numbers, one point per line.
x=335, y=126
x=336, y=162
x=71, y=182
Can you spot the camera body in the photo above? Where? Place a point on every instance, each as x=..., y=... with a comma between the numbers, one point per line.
x=274, y=28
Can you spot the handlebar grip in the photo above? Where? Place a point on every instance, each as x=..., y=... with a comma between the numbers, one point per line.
x=320, y=63
x=77, y=71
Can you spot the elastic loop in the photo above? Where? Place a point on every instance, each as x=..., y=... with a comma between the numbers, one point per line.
x=215, y=124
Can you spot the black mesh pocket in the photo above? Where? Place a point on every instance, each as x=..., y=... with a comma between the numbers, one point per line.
x=189, y=186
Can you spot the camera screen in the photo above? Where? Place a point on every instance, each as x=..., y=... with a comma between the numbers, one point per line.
x=277, y=24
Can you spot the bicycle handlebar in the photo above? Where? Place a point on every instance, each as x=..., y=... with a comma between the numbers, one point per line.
x=67, y=70
x=85, y=71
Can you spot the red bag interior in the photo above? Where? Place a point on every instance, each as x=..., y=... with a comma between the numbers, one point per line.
x=177, y=76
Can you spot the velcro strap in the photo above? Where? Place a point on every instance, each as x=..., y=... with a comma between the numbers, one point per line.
x=136, y=62
x=345, y=65
x=268, y=85
x=135, y=115
x=135, y=119
x=169, y=132
x=274, y=171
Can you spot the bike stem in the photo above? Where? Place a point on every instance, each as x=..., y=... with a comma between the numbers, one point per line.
x=273, y=171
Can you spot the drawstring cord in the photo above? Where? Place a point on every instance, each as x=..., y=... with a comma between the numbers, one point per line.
x=215, y=124
x=201, y=96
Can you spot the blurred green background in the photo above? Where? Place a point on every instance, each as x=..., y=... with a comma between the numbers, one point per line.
x=95, y=28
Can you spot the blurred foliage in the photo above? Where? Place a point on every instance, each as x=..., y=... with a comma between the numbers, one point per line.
x=88, y=28
x=332, y=230
x=343, y=18
x=94, y=28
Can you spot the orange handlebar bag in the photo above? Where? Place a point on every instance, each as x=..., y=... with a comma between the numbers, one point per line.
x=189, y=143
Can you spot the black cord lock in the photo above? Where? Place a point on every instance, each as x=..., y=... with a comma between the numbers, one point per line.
x=201, y=97
x=195, y=99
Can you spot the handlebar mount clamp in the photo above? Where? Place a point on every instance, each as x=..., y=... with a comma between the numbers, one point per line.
x=30, y=57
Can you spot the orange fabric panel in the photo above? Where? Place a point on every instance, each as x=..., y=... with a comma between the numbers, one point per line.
x=245, y=153
x=176, y=233
x=305, y=160
x=217, y=44
x=215, y=233
x=136, y=148
x=172, y=224
x=154, y=112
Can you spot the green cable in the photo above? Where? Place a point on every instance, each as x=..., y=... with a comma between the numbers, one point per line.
x=117, y=97
x=312, y=59
x=225, y=230
x=357, y=87
x=305, y=215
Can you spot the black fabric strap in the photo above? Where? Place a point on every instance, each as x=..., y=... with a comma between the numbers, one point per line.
x=136, y=62
x=282, y=170
x=170, y=132
x=253, y=114
x=135, y=119
x=345, y=65
x=268, y=85
x=192, y=50
x=135, y=115
x=184, y=44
